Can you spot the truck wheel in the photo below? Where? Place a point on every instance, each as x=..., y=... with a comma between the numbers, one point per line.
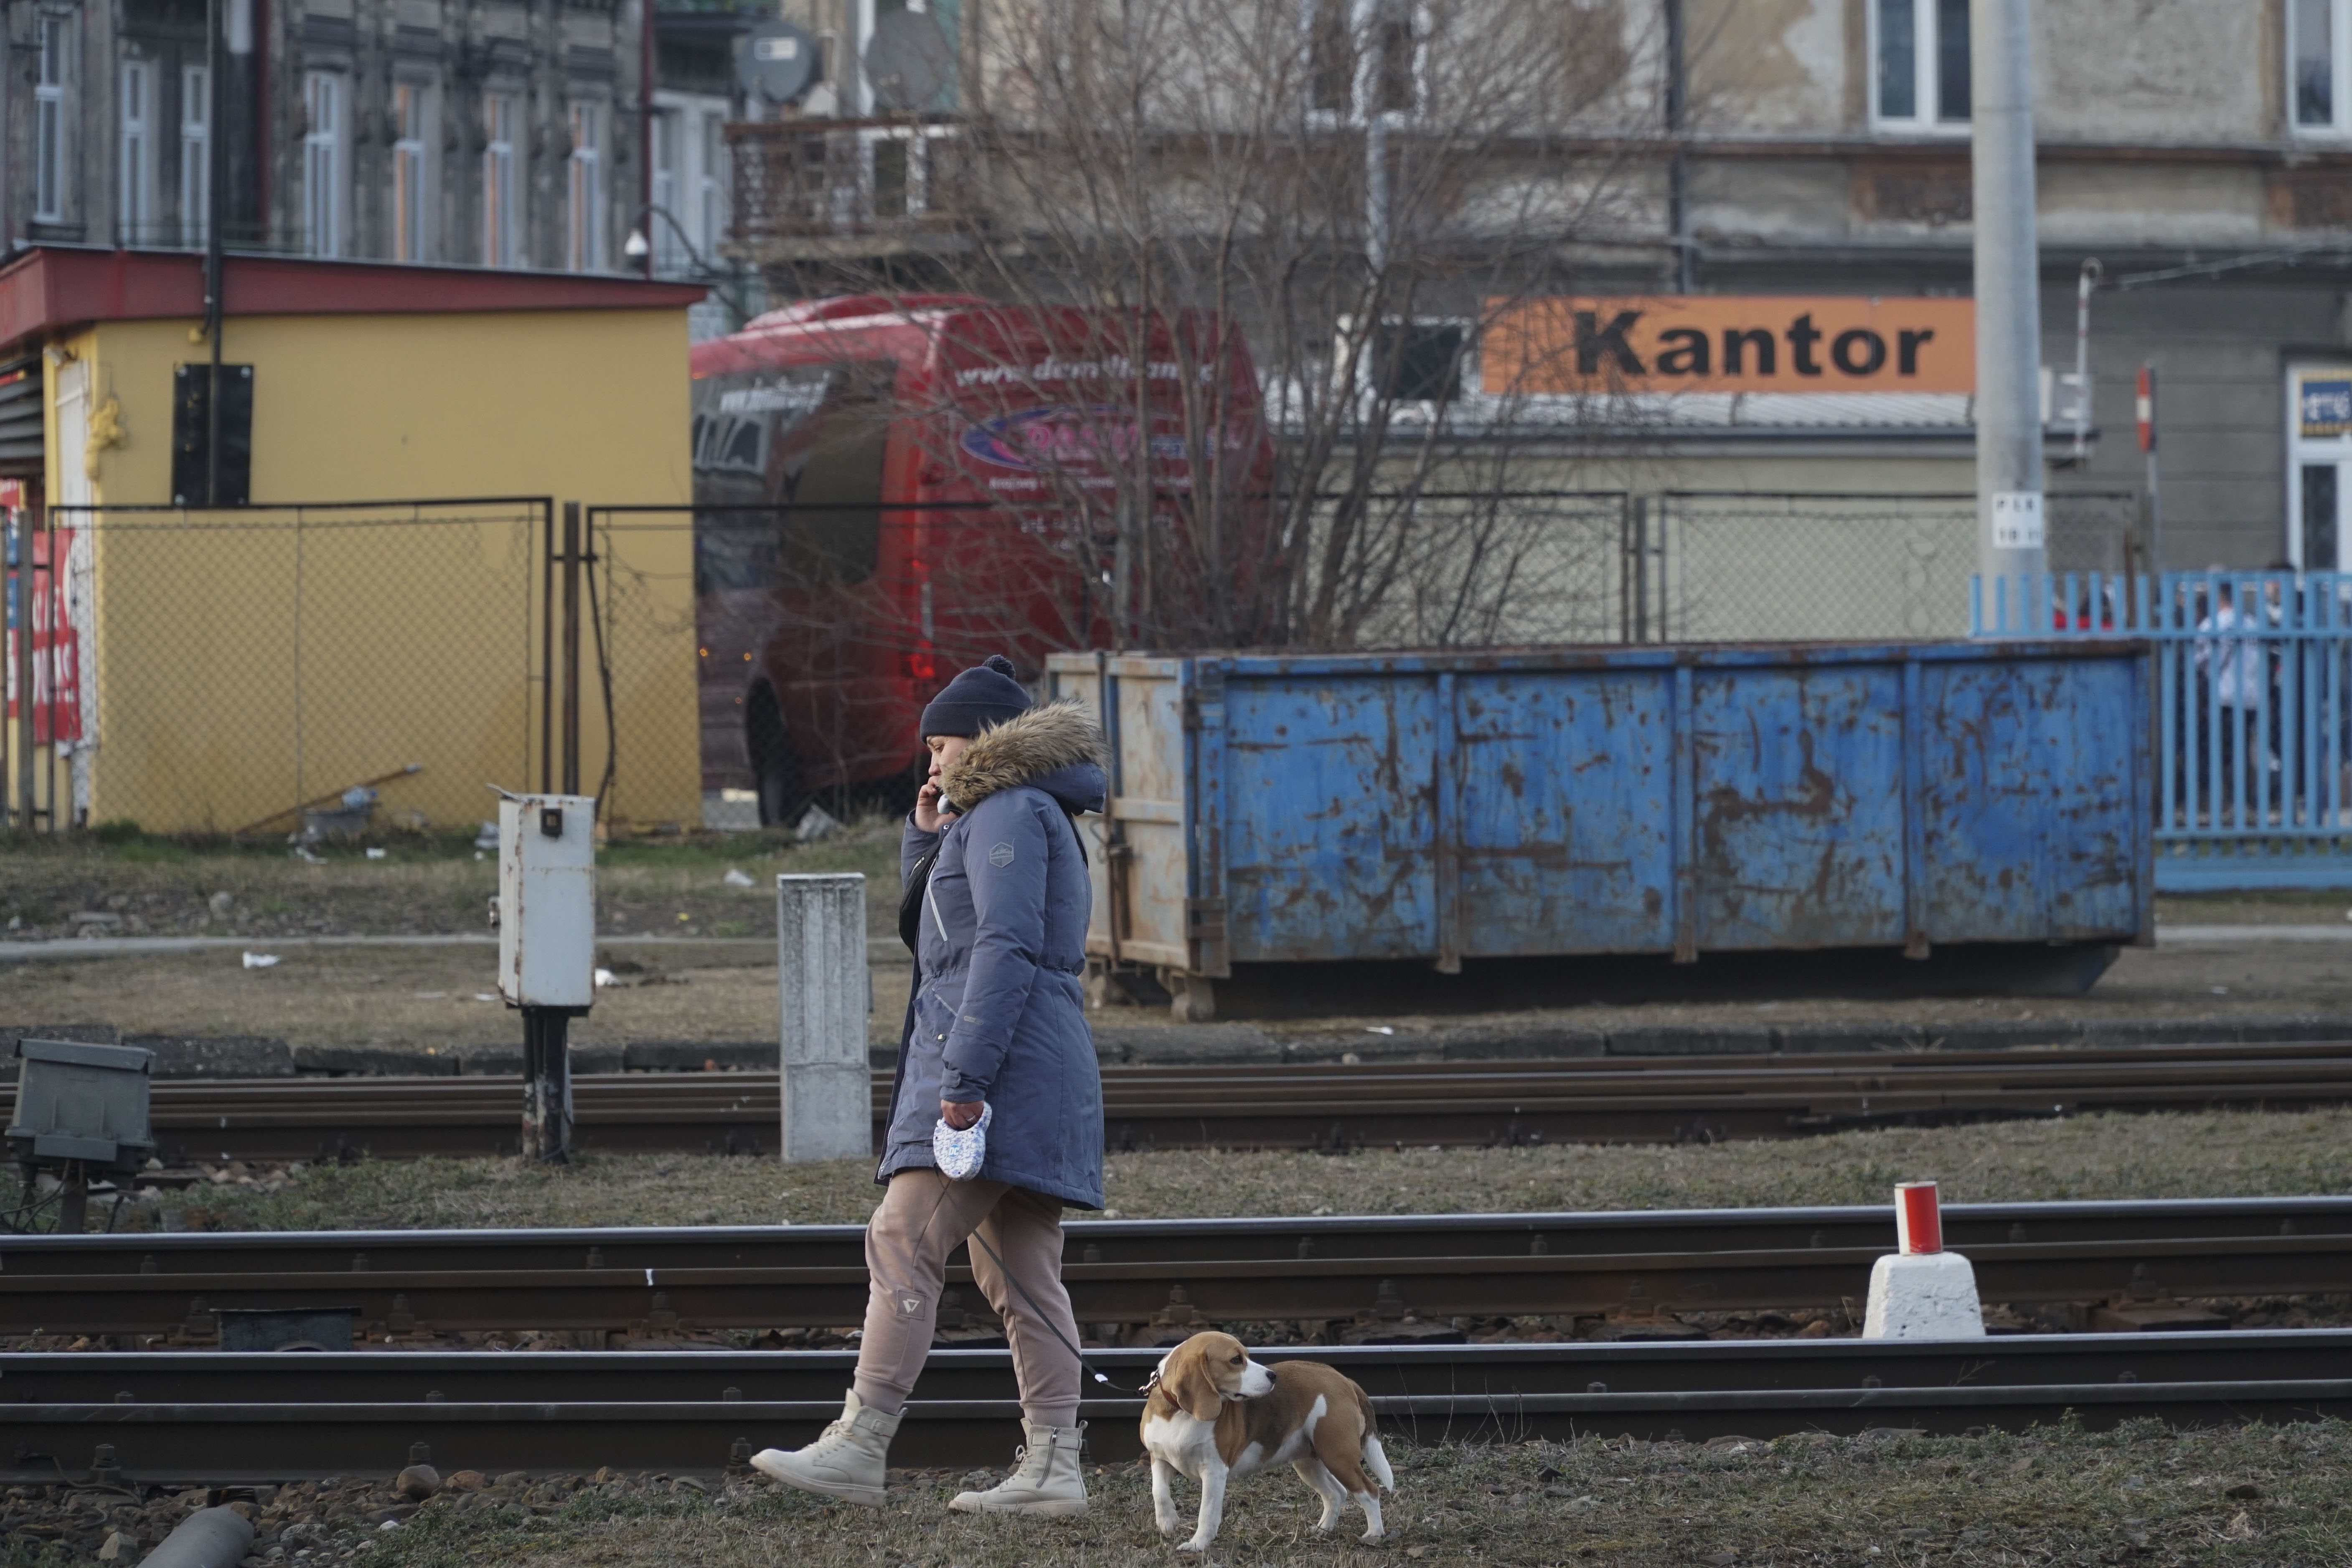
x=775, y=765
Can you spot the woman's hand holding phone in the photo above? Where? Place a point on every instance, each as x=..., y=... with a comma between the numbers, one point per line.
x=929, y=817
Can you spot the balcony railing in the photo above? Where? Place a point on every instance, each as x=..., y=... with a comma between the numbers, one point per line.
x=802, y=181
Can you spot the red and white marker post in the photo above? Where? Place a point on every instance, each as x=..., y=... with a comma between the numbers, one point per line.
x=1919, y=1291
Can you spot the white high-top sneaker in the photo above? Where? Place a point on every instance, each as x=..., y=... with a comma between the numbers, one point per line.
x=1046, y=1481
x=850, y=1461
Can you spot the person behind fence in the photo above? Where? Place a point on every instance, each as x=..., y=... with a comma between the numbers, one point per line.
x=2235, y=671
x=998, y=899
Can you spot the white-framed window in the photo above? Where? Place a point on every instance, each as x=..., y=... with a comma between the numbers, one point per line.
x=668, y=130
x=712, y=180
x=2319, y=67
x=690, y=179
x=55, y=76
x=1919, y=65
x=2319, y=466
x=196, y=154
x=325, y=175
x=135, y=153
x=411, y=172
x=501, y=192
x=1364, y=57
x=585, y=252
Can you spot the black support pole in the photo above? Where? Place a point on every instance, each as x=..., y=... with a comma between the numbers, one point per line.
x=547, y=650
x=215, y=190
x=572, y=647
x=546, y=1084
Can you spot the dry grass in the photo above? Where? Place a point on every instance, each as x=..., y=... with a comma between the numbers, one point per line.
x=678, y=888
x=2229, y=1153
x=419, y=998
x=423, y=885
x=714, y=991
x=2278, y=907
x=2140, y=1494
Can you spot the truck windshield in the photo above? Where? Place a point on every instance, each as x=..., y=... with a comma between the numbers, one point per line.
x=807, y=442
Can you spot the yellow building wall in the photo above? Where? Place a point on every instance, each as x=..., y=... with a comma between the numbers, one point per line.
x=248, y=660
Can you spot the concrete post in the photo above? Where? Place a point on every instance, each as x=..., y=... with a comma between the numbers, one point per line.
x=820, y=975
x=2009, y=526
x=1919, y=1291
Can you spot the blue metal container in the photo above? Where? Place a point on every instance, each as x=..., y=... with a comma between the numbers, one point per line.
x=1678, y=799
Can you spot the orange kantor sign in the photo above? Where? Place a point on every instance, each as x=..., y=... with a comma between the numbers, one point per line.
x=1724, y=343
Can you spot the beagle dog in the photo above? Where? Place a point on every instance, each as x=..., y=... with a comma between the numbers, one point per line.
x=1214, y=1414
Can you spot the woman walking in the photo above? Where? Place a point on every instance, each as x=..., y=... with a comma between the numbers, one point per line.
x=998, y=1021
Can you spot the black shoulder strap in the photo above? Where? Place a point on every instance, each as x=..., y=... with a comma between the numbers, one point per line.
x=910, y=903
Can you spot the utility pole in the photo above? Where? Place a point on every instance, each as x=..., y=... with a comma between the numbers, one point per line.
x=2010, y=529
x=2143, y=413
x=1678, y=170
x=215, y=184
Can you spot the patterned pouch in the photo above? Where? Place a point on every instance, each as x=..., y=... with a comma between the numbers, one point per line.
x=960, y=1155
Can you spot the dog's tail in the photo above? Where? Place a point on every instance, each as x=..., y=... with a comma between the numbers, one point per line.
x=1375, y=1461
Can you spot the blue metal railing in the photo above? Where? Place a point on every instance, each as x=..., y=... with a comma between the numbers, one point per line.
x=2254, y=711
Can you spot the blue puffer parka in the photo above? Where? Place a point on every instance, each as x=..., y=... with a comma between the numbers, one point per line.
x=999, y=1009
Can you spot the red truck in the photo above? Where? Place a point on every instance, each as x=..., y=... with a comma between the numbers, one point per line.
x=888, y=489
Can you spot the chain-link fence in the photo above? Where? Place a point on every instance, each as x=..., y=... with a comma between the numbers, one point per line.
x=243, y=671
x=1724, y=567
x=821, y=628
x=817, y=631
x=249, y=672
x=1472, y=569
x=642, y=745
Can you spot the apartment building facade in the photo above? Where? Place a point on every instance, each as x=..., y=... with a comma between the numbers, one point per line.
x=505, y=134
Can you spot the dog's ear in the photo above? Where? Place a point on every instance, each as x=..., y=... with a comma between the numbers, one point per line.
x=1189, y=1383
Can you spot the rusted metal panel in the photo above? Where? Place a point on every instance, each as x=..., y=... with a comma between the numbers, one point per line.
x=2033, y=801
x=1561, y=782
x=1800, y=806
x=1535, y=801
x=1330, y=817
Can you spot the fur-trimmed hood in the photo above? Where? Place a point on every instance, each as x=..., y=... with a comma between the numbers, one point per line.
x=1054, y=747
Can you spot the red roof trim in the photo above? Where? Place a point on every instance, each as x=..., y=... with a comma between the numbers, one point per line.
x=49, y=287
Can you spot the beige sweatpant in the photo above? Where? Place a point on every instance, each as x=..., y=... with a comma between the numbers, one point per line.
x=923, y=1217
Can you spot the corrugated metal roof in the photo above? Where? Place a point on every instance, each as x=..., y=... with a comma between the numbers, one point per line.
x=1675, y=413
x=1720, y=411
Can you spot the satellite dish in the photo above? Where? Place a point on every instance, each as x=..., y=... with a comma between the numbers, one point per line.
x=908, y=60
x=776, y=61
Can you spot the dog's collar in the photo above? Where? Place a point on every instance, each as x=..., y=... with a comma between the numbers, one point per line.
x=1152, y=1381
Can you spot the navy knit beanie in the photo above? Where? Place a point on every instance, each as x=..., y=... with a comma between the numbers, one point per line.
x=983, y=696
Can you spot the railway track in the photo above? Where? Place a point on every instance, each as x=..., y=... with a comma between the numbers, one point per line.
x=210, y=1417
x=1180, y=1273
x=1268, y=1105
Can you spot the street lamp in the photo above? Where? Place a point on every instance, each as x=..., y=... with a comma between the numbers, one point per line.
x=638, y=248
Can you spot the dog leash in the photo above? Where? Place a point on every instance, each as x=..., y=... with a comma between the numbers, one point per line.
x=1047, y=1318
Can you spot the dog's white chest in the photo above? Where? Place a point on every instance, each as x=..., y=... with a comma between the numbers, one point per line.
x=1183, y=1441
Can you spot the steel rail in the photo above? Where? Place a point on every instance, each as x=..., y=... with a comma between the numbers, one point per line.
x=200, y=1416
x=1270, y=1105
x=1177, y=1273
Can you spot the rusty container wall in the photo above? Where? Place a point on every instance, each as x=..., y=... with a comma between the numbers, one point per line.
x=1663, y=799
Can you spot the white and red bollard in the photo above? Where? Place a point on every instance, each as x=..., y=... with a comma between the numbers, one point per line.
x=1919, y=1291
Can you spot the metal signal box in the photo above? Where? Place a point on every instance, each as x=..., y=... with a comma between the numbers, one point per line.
x=547, y=901
x=81, y=1103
